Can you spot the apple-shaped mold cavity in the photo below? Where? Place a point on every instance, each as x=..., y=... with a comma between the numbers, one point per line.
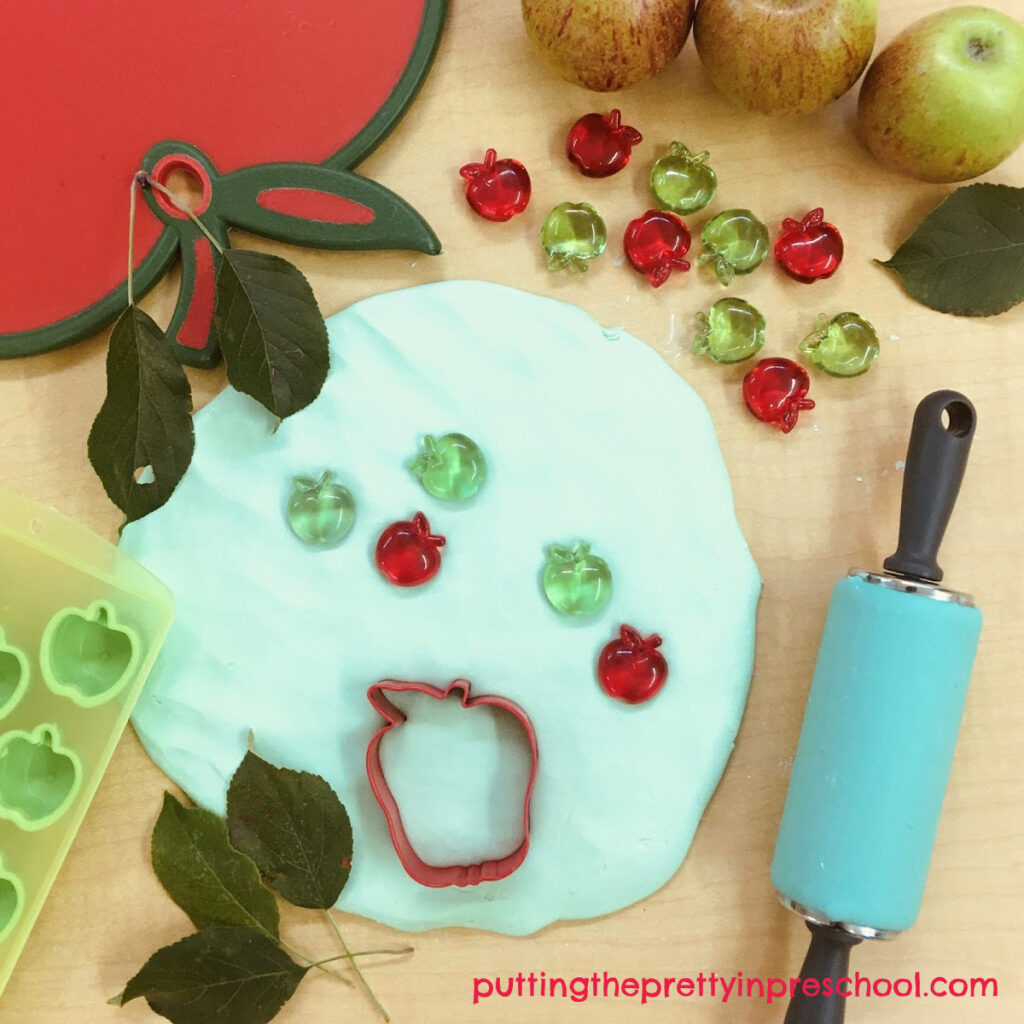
x=14, y=674
x=86, y=656
x=39, y=777
x=12, y=900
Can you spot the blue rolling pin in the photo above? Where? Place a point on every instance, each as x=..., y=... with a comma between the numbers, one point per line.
x=881, y=724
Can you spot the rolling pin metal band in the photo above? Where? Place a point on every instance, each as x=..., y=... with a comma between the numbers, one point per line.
x=812, y=916
x=908, y=586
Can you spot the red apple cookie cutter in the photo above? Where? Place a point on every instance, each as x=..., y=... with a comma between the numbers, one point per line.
x=418, y=869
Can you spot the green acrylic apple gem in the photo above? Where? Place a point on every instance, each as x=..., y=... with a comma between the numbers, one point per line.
x=13, y=676
x=86, y=656
x=320, y=512
x=39, y=778
x=844, y=346
x=451, y=467
x=735, y=242
x=12, y=901
x=732, y=330
x=575, y=581
x=573, y=234
x=682, y=181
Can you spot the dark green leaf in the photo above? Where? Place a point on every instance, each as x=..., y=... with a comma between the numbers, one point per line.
x=222, y=974
x=270, y=331
x=208, y=878
x=293, y=825
x=145, y=420
x=967, y=256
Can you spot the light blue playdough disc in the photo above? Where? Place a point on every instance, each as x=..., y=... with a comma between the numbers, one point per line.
x=588, y=436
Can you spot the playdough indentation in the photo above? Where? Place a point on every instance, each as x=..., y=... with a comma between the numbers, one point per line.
x=14, y=674
x=86, y=655
x=12, y=900
x=39, y=778
x=589, y=436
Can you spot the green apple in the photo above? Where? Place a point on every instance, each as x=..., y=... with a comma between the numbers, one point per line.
x=606, y=45
x=784, y=56
x=944, y=101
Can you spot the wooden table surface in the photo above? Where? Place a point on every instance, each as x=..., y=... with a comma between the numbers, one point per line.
x=812, y=504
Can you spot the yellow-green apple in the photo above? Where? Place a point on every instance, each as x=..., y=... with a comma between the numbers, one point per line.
x=944, y=101
x=606, y=45
x=784, y=56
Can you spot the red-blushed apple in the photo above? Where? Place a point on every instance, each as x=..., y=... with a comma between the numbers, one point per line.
x=944, y=101
x=784, y=56
x=606, y=45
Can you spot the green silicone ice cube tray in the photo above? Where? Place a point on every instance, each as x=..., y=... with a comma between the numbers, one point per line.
x=80, y=626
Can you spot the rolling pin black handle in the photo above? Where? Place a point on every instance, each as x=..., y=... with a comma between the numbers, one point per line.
x=828, y=959
x=936, y=459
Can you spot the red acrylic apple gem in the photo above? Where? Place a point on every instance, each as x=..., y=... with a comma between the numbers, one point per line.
x=600, y=144
x=774, y=391
x=408, y=554
x=656, y=244
x=809, y=249
x=497, y=189
x=631, y=668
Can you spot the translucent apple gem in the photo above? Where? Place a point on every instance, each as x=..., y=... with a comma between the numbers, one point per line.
x=573, y=234
x=844, y=346
x=497, y=189
x=732, y=330
x=575, y=581
x=600, y=144
x=811, y=249
x=408, y=554
x=735, y=242
x=450, y=468
x=320, y=512
x=775, y=391
x=683, y=182
x=631, y=668
x=656, y=244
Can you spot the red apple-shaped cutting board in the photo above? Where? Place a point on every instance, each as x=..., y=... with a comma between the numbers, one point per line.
x=268, y=105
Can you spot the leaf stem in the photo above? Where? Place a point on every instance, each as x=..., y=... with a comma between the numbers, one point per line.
x=310, y=962
x=405, y=950
x=131, y=240
x=148, y=181
x=355, y=967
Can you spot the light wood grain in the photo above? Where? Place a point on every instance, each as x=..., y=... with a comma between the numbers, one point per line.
x=812, y=504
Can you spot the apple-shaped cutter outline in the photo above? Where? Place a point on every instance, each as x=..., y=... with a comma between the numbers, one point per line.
x=14, y=698
x=101, y=612
x=419, y=870
x=8, y=924
x=46, y=731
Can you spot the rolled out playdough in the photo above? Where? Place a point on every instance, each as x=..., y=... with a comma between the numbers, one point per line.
x=588, y=436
